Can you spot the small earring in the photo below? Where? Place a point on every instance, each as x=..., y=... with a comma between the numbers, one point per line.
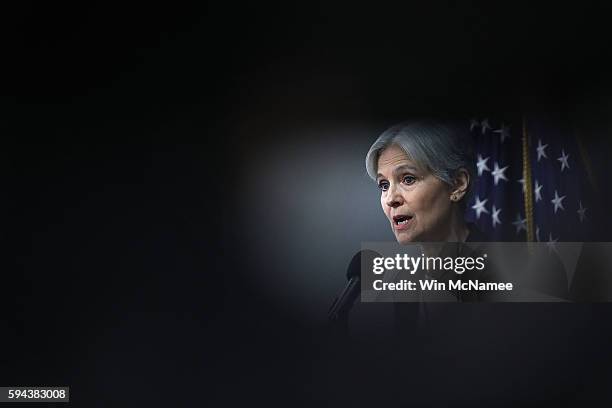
x=454, y=197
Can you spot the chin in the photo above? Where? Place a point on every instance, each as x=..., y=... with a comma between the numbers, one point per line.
x=404, y=239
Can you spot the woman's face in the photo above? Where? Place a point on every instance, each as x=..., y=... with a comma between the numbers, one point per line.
x=416, y=203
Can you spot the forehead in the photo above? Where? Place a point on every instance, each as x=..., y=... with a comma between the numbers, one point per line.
x=392, y=157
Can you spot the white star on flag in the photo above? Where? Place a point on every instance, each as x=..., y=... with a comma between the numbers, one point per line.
x=557, y=201
x=551, y=244
x=504, y=132
x=482, y=165
x=479, y=207
x=563, y=160
x=498, y=173
x=541, y=150
x=474, y=123
x=520, y=223
x=485, y=125
x=495, y=216
x=581, y=212
x=538, y=191
x=522, y=181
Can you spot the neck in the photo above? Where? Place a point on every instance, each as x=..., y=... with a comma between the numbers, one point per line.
x=458, y=231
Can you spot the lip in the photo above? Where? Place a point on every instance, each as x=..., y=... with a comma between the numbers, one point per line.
x=402, y=227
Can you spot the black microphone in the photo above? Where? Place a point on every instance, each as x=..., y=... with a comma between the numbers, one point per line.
x=344, y=301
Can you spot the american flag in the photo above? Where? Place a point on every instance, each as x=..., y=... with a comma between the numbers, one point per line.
x=534, y=181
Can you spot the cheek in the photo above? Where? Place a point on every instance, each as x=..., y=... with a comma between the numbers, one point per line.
x=432, y=203
x=384, y=206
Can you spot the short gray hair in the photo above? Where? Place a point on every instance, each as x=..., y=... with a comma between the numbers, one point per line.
x=441, y=147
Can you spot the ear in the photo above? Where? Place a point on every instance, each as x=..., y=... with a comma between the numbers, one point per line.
x=461, y=184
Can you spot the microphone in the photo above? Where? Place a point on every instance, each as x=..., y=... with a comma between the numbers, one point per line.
x=344, y=301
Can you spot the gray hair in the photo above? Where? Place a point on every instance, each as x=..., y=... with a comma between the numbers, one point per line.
x=441, y=148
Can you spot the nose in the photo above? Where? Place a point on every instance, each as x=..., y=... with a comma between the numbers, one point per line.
x=394, y=198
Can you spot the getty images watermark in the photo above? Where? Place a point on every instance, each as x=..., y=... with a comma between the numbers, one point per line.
x=491, y=271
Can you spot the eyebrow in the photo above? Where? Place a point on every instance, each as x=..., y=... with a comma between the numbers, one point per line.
x=400, y=169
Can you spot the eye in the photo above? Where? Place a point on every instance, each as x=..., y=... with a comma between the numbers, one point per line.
x=408, y=179
x=383, y=185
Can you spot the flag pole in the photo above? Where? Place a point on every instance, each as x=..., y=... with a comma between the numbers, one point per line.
x=528, y=183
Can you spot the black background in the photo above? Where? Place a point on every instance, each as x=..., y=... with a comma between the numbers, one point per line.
x=124, y=131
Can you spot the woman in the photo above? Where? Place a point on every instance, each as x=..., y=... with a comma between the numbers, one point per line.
x=425, y=171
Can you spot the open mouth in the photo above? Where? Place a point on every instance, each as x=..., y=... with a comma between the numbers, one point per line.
x=401, y=219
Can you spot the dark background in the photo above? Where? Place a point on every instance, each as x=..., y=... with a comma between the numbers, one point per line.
x=129, y=133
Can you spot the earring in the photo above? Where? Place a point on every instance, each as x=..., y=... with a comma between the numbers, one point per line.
x=454, y=197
